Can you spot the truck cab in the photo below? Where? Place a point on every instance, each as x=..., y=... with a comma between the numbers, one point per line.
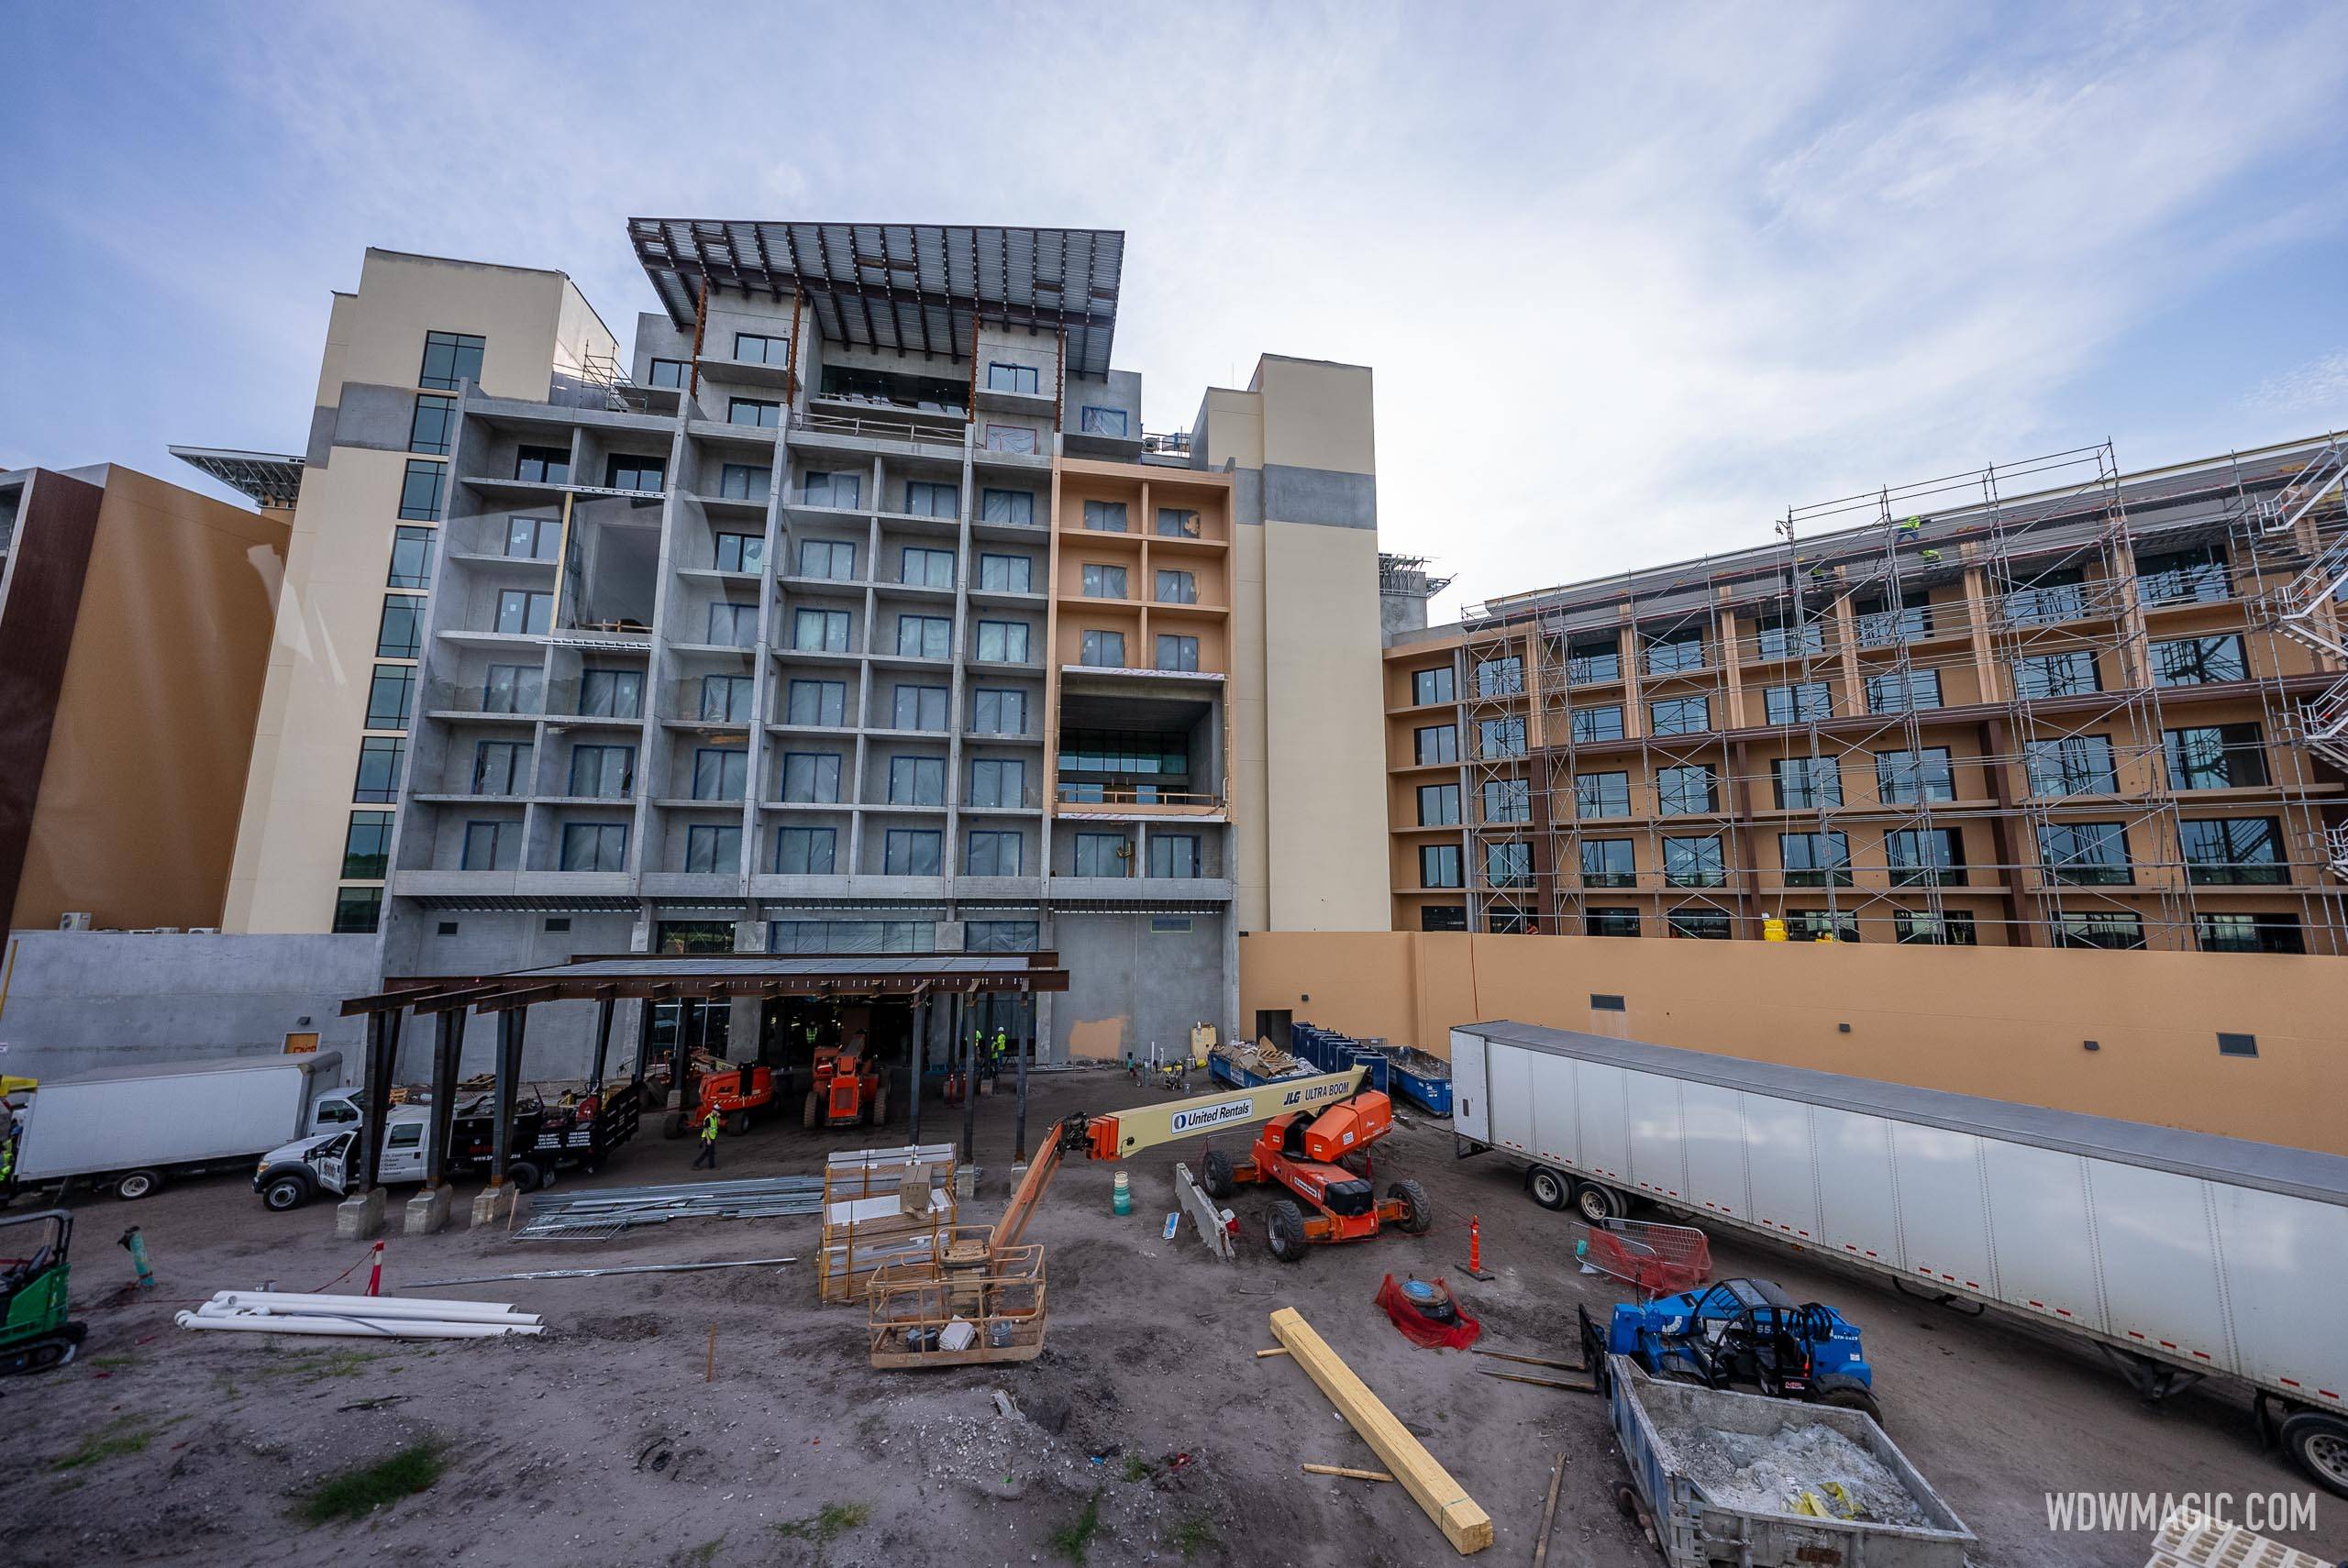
x=290, y=1176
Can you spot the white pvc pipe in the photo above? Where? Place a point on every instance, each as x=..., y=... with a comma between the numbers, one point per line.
x=273, y=1298
x=360, y=1328
x=235, y=1304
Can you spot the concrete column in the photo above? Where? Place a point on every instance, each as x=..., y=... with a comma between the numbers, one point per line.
x=916, y=1057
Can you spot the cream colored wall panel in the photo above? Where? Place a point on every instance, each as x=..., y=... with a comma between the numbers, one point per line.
x=403, y=297
x=1317, y=415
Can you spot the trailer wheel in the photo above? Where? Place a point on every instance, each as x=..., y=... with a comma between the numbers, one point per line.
x=524, y=1176
x=1284, y=1231
x=807, y=1112
x=285, y=1193
x=1217, y=1170
x=132, y=1186
x=1597, y=1204
x=1418, y=1214
x=2317, y=1443
x=1549, y=1188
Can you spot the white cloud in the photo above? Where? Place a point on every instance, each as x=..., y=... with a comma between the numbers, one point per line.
x=2319, y=386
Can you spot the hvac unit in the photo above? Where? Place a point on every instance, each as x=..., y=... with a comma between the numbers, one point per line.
x=204, y=931
x=75, y=920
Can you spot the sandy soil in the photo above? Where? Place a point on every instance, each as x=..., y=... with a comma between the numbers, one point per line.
x=603, y=1444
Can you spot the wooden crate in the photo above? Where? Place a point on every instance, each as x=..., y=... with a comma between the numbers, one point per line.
x=1000, y=1294
x=867, y=1227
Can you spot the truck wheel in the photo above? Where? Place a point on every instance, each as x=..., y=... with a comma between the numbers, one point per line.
x=2317, y=1443
x=1418, y=1214
x=738, y=1122
x=807, y=1115
x=1284, y=1231
x=1846, y=1394
x=287, y=1192
x=1597, y=1204
x=1218, y=1175
x=523, y=1175
x=1549, y=1188
x=132, y=1186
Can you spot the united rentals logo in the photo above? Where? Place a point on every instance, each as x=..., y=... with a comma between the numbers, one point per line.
x=1208, y=1116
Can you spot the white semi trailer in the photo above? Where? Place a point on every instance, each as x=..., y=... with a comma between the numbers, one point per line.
x=2181, y=1254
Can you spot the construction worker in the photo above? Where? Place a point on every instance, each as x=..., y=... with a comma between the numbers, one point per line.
x=708, y=1155
x=1001, y=1042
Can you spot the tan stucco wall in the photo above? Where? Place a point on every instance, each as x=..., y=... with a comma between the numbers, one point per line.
x=1317, y=414
x=2005, y=1023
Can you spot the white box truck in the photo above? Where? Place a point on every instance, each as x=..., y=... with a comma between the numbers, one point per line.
x=133, y=1127
x=2180, y=1254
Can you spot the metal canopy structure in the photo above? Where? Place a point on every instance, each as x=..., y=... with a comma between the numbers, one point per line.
x=913, y=288
x=271, y=479
x=674, y=976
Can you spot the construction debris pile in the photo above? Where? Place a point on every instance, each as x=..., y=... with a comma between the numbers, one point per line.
x=1263, y=1059
x=359, y=1317
x=1809, y=1470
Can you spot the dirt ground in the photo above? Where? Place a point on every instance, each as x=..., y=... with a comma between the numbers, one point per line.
x=603, y=1443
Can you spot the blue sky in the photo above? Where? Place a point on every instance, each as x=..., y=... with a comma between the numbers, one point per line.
x=1633, y=280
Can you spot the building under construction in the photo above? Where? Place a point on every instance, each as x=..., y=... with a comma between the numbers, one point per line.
x=2045, y=704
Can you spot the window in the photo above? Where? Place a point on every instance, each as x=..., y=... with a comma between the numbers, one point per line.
x=1951, y=928
x=1681, y=715
x=1603, y=722
x=379, y=768
x=1177, y=587
x=2249, y=934
x=2057, y=675
x=1093, y=419
x=925, y=636
x=713, y=846
x=2216, y=757
x=1798, y=703
x=2098, y=928
x=830, y=558
x=602, y=772
x=1815, y=859
x=926, y=498
x=1774, y=637
x=2184, y=576
x=433, y=424
x=1608, y=863
x=2198, y=661
x=1501, y=737
x=916, y=780
x=1003, y=642
x=2085, y=854
x=594, y=846
x=1683, y=791
x=1601, y=795
x=745, y=482
x=757, y=412
x=852, y=936
x=1439, y=865
x=842, y=490
x=1103, y=649
x=1436, y=743
x=1610, y=922
x=1016, y=507
x=1925, y=857
x=2234, y=851
x=1001, y=377
x=1878, y=625
x=449, y=359
x=532, y=538
x=1508, y=801
x=728, y=699
x=733, y=626
x=1803, y=783
x=1905, y=777
x=1103, y=581
x=1105, y=516
x=1702, y=925
x=367, y=845
x=994, y=851
x=668, y=374
x=998, y=712
x=926, y=567
x=819, y=631
x=1693, y=862
x=1431, y=685
x=815, y=703
x=1667, y=652
x=1500, y=676
x=999, y=936
x=524, y=612
x=2075, y=765
x=1508, y=865
x=514, y=689
x=410, y=557
x=1439, y=805
x=357, y=911
x=501, y=767
x=1102, y=854
x=611, y=693
x=491, y=847
x=811, y=777
x=1442, y=917
x=1593, y=659
x=741, y=552
x=420, y=490
x=1011, y=438
x=390, y=696
x=720, y=773
x=1174, y=854
x=1177, y=653
x=998, y=782
x=757, y=348
x=542, y=465
x=622, y=471
x=804, y=852
x=2050, y=596
x=1894, y=693
x=917, y=708
x=1812, y=926
x=1006, y=574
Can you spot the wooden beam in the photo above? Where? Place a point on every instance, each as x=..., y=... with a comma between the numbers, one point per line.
x=1342, y=1470
x=1462, y=1523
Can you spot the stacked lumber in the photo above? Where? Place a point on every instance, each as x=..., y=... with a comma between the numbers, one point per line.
x=881, y=1212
